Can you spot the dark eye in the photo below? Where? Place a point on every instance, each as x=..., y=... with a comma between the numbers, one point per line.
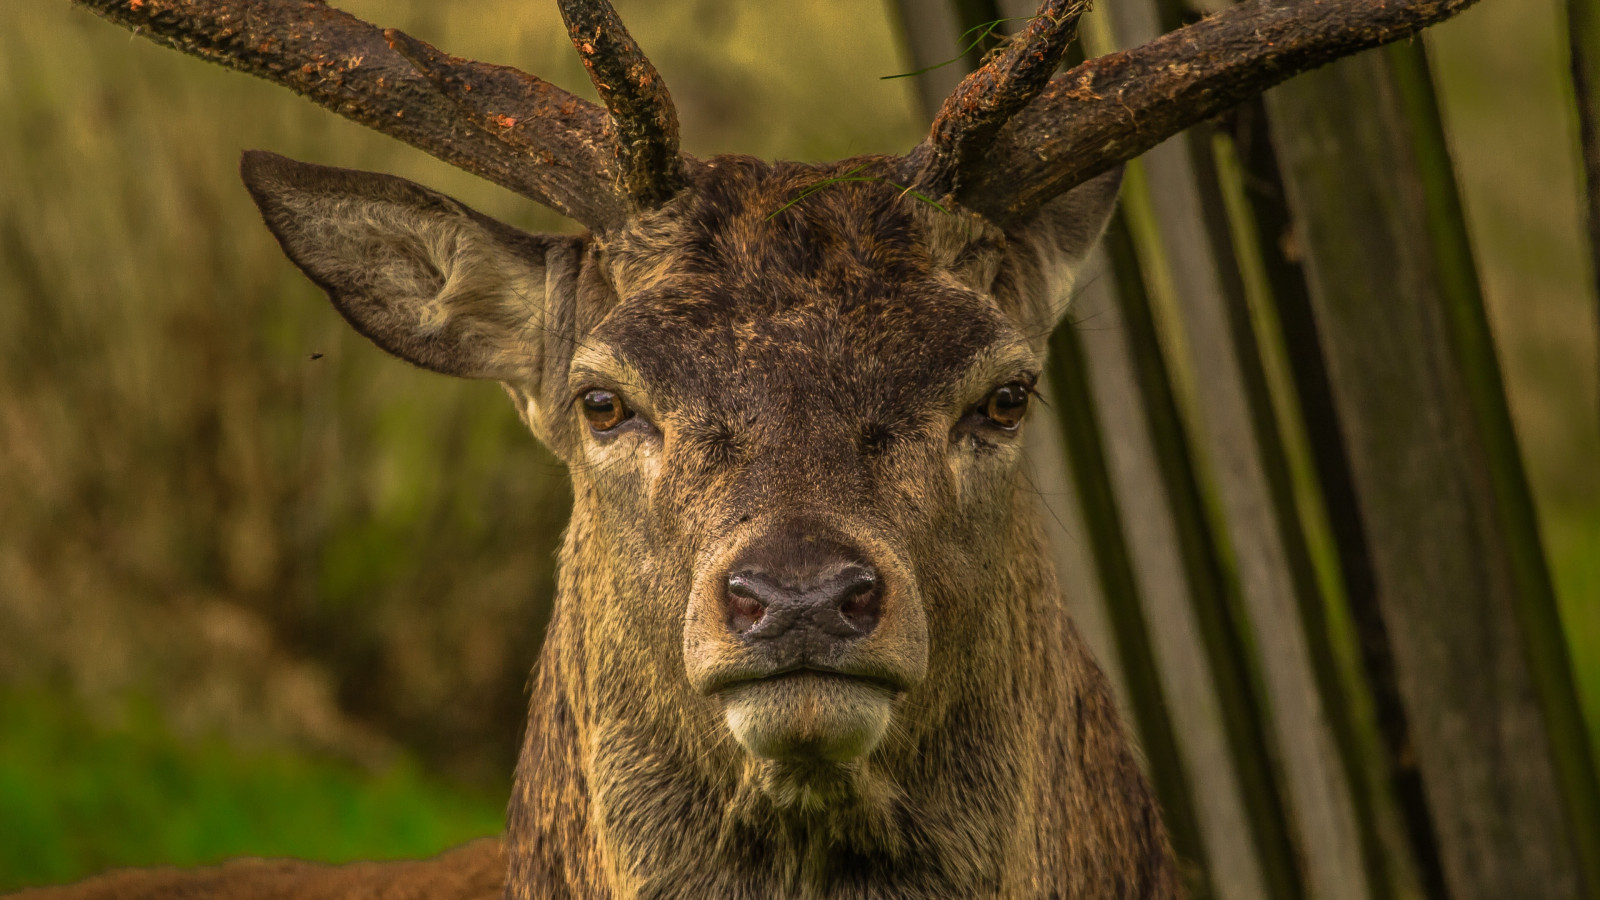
x=604, y=409
x=1006, y=406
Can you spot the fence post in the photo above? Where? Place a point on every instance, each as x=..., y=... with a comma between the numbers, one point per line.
x=1238, y=436
x=1460, y=581
x=1583, y=41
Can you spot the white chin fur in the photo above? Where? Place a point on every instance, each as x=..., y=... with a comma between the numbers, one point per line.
x=806, y=715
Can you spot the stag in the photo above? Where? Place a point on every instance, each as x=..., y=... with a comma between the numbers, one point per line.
x=806, y=640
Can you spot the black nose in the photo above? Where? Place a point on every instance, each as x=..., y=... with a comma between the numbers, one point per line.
x=802, y=596
x=824, y=607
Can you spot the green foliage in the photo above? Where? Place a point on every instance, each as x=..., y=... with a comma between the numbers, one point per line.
x=78, y=797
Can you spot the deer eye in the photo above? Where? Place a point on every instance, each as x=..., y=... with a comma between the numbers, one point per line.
x=1007, y=404
x=604, y=410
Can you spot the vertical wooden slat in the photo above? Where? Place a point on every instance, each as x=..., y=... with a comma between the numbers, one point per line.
x=1068, y=383
x=1318, y=791
x=1210, y=590
x=932, y=36
x=1277, y=585
x=1452, y=542
x=1202, y=699
x=1583, y=42
x=1534, y=602
x=1286, y=277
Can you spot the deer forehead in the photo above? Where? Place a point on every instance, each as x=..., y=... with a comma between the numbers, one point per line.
x=870, y=352
x=745, y=222
x=805, y=281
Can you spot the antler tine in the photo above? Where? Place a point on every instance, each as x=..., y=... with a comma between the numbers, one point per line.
x=348, y=66
x=1112, y=108
x=645, y=121
x=988, y=97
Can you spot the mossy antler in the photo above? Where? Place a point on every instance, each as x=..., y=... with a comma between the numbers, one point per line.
x=1110, y=109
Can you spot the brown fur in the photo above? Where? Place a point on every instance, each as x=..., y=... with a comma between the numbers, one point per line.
x=821, y=361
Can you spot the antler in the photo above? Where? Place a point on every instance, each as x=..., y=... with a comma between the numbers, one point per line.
x=988, y=97
x=645, y=122
x=1112, y=108
x=494, y=121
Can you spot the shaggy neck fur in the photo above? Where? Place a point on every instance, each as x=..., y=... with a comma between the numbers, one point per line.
x=1004, y=779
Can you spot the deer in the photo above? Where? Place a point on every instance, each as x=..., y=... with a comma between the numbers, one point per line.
x=807, y=640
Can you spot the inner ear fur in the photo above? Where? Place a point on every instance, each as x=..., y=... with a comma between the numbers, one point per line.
x=419, y=274
x=1045, y=256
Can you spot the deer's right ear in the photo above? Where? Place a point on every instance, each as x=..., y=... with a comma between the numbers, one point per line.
x=422, y=276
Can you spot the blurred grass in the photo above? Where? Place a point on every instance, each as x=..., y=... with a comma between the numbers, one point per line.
x=302, y=560
x=68, y=807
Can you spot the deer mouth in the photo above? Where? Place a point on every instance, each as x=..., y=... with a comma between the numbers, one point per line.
x=735, y=678
x=809, y=714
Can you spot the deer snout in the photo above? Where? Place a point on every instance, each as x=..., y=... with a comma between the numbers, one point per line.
x=810, y=610
x=806, y=632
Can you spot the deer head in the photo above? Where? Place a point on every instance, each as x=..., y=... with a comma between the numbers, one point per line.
x=793, y=426
x=803, y=591
x=790, y=396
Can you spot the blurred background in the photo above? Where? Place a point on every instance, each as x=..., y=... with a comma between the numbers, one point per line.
x=264, y=590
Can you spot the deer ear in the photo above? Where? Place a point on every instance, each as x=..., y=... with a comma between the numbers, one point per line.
x=422, y=276
x=1046, y=255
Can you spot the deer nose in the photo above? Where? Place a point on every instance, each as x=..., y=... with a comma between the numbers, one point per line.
x=804, y=613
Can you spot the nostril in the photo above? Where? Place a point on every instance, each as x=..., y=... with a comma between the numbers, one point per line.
x=861, y=602
x=745, y=606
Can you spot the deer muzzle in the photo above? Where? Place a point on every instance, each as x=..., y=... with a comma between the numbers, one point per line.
x=807, y=635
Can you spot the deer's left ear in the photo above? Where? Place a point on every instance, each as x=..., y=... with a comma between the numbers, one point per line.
x=1045, y=256
x=421, y=275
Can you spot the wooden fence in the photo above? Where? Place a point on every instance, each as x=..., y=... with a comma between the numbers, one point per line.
x=1288, y=505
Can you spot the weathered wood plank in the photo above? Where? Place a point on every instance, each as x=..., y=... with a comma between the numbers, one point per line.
x=1239, y=437
x=1409, y=834
x=931, y=36
x=1440, y=488
x=1583, y=42
x=1068, y=383
x=1164, y=572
